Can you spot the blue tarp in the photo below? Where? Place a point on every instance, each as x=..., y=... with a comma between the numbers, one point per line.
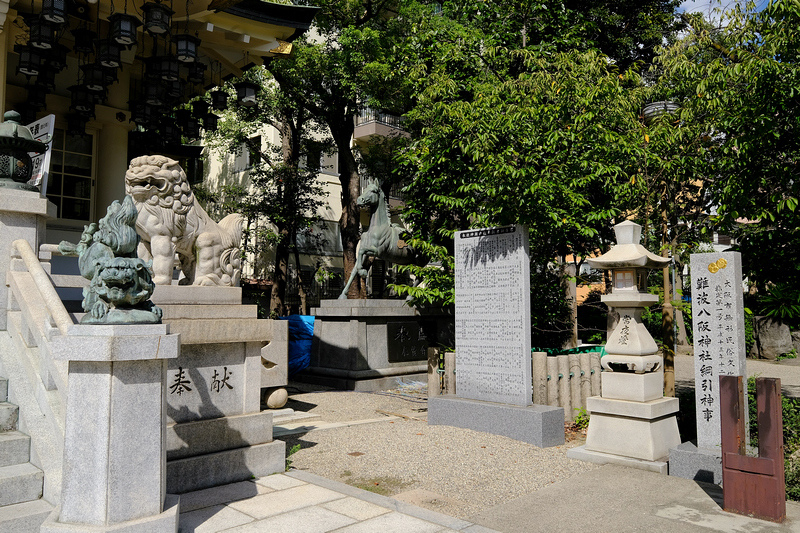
x=301, y=333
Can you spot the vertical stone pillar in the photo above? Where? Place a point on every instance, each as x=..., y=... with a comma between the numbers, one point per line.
x=22, y=216
x=114, y=473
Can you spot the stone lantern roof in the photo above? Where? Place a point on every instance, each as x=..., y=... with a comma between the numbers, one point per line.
x=628, y=253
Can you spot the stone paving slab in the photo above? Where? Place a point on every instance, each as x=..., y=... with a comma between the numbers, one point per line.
x=304, y=503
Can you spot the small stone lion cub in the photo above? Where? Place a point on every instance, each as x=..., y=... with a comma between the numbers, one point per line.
x=171, y=221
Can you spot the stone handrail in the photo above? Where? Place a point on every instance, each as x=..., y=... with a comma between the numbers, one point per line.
x=49, y=295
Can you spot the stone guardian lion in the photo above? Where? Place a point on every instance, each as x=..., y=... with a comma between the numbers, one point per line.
x=171, y=221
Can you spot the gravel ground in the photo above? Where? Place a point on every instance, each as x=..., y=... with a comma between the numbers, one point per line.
x=454, y=471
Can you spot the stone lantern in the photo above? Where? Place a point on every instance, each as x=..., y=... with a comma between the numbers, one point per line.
x=631, y=423
x=16, y=142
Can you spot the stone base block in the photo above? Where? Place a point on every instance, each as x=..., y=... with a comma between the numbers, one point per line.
x=639, y=430
x=203, y=437
x=165, y=522
x=582, y=454
x=221, y=468
x=634, y=387
x=540, y=425
x=690, y=462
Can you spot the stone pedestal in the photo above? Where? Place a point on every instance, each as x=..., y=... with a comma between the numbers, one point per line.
x=216, y=431
x=114, y=474
x=700, y=464
x=369, y=345
x=540, y=425
x=22, y=216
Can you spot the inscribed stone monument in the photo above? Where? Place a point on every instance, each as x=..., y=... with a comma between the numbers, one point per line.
x=719, y=345
x=492, y=315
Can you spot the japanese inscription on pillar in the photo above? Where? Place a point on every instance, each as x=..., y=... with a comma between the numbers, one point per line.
x=492, y=315
x=719, y=346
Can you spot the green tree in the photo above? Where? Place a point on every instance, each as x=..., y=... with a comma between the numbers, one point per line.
x=740, y=84
x=282, y=197
x=333, y=74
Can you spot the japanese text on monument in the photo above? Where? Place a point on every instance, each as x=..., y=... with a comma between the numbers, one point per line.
x=719, y=346
x=492, y=315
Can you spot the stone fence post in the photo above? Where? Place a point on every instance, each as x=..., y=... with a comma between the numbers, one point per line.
x=114, y=473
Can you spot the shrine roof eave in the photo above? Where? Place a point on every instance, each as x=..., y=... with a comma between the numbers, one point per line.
x=628, y=256
x=287, y=15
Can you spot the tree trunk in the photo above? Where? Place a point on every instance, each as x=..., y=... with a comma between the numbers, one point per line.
x=350, y=221
x=277, y=304
x=667, y=315
x=302, y=289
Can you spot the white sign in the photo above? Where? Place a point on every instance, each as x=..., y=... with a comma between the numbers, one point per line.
x=493, y=315
x=42, y=130
x=719, y=344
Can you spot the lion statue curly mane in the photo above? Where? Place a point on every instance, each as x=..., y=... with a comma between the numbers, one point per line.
x=170, y=221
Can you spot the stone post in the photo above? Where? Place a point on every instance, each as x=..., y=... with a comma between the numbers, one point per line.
x=719, y=350
x=22, y=216
x=114, y=474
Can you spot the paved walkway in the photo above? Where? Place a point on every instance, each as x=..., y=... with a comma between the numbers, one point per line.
x=609, y=499
x=299, y=502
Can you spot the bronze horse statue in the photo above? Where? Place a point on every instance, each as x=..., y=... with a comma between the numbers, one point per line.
x=382, y=239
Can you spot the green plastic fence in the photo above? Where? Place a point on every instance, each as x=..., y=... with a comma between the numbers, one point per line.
x=552, y=352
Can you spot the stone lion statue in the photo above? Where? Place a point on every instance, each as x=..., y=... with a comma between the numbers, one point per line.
x=120, y=283
x=170, y=221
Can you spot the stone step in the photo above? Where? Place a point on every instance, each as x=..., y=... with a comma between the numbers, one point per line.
x=3, y=390
x=287, y=416
x=9, y=416
x=15, y=448
x=20, y=483
x=25, y=517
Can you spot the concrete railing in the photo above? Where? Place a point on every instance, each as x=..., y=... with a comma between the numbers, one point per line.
x=44, y=286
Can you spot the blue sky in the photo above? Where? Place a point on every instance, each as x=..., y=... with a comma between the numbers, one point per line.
x=705, y=6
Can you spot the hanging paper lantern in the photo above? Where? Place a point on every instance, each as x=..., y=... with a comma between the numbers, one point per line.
x=109, y=53
x=84, y=40
x=197, y=72
x=30, y=60
x=170, y=68
x=210, y=122
x=219, y=100
x=123, y=28
x=82, y=99
x=157, y=17
x=246, y=93
x=54, y=11
x=186, y=47
x=94, y=77
x=37, y=95
x=56, y=58
x=42, y=33
x=200, y=108
x=46, y=78
x=154, y=94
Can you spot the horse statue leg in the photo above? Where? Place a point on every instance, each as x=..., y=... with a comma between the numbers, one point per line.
x=358, y=266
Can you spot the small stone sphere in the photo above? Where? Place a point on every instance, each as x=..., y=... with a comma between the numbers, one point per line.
x=277, y=398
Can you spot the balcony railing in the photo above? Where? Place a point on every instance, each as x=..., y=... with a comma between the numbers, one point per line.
x=369, y=114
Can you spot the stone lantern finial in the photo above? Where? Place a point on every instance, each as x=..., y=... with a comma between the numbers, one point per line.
x=628, y=232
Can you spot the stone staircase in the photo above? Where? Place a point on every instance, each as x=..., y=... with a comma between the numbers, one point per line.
x=21, y=507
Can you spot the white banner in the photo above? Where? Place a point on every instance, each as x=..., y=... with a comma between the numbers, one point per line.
x=42, y=130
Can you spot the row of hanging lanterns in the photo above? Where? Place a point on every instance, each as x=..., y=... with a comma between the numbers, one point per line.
x=173, y=66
